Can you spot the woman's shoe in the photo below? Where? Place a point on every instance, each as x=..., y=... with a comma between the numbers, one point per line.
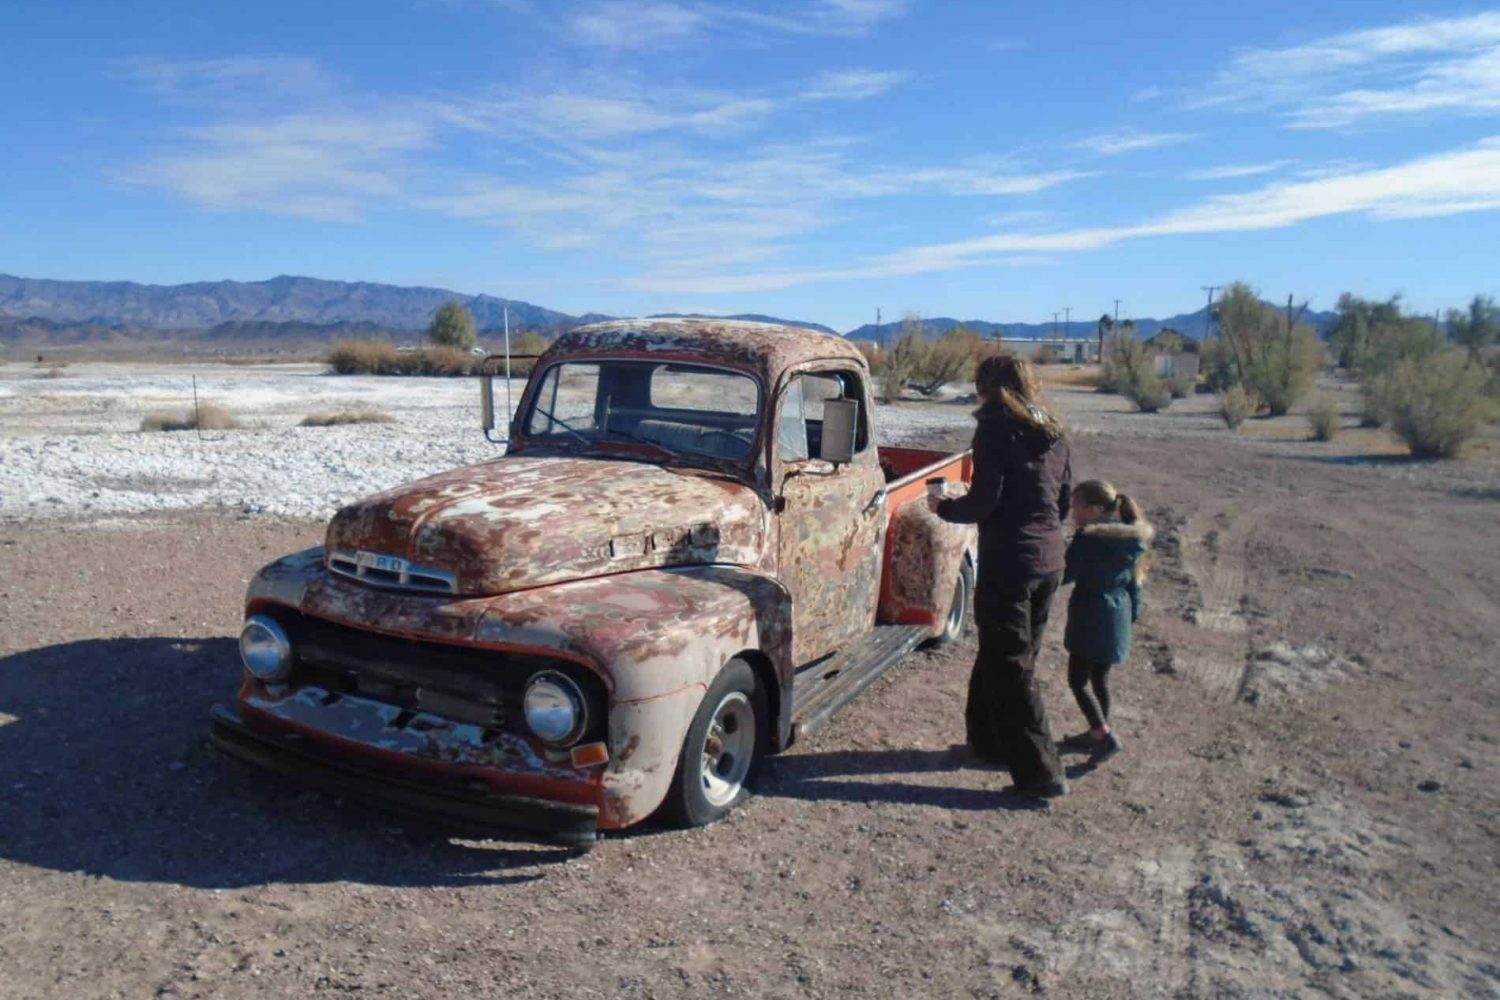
x=1042, y=790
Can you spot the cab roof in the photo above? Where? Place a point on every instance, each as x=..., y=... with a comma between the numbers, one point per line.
x=769, y=348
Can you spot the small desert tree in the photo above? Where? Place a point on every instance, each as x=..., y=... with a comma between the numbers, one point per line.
x=1127, y=361
x=903, y=361
x=1274, y=354
x=453, y=326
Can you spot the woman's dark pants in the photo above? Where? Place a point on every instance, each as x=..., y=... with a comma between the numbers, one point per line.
x=1006, y=720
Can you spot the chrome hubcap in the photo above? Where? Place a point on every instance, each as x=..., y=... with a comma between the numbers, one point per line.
x=728, y=748
x=956, y=615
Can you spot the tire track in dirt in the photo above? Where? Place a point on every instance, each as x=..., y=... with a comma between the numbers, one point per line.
x=1214, y=556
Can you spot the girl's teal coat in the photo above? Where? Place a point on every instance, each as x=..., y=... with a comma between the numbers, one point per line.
x=1102, y=563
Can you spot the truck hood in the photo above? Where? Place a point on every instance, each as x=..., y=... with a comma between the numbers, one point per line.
x=523, y=521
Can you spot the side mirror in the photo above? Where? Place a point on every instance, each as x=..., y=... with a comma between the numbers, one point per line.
x=487, y=402
x=840, y=422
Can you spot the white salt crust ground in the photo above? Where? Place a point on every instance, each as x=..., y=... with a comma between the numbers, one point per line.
x=71, y=446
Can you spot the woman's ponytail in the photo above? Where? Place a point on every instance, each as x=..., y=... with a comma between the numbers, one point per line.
x=1127, y=509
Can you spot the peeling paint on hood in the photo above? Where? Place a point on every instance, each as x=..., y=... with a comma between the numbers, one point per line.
x=522, y=521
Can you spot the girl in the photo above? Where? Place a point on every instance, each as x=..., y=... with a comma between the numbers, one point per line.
x=1019, y=499
x=1104, y=565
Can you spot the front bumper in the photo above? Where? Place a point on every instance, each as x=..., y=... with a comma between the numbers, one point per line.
x=566, y=823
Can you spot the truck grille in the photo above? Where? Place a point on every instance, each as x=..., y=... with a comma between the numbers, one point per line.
x=483, y=687
x=424, y=579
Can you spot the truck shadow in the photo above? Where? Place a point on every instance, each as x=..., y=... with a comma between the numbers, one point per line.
x=870, y=776
x=105, y=768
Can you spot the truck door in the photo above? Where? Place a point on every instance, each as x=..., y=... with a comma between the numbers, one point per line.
x=831, y=526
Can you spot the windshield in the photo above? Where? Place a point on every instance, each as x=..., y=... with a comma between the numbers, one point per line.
x=684, y=409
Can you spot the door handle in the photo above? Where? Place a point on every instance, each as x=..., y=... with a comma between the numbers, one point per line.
x=876, y=502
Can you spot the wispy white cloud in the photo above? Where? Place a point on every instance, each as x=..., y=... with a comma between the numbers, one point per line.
x=230, y=81
x=1007, y=44
x=853, y=85
x=1123, y=141
x=1448, y=183
x=1237, y=170
x=635, y=24
x=319, y=167
x=1151, y=92
x=1429, y=65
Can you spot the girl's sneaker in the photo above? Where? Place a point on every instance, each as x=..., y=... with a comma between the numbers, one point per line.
x=1106, y=748
x=1080, y=741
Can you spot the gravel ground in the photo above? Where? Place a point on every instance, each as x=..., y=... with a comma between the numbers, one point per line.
x=1307, y=806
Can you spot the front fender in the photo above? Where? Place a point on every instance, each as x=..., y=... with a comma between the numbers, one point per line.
x=662, y=636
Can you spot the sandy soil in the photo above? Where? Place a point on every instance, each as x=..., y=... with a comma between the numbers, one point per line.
x=1307, y=805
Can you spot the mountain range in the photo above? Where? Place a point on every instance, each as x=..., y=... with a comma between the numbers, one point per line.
x=289, y=311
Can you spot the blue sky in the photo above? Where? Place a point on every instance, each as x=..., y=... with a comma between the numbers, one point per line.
x=818, y=159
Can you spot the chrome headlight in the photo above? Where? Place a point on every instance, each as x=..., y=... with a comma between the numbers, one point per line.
x=265, y=649
x=555, y=708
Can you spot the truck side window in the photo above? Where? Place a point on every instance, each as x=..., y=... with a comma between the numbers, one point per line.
x=799, y=432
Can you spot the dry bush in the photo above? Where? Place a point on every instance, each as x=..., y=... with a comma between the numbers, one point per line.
x=1436, y=404
x=1324, y=422
x=207, y=418
x=379, y=357
x=1046, y=355
x=363, y=357
x=1271, y=351
x=1374, y=404
x=1182, y=386
x=1128, y=363
x=353, y=415
x=1149, y=394
x=54, y=372
x=1235, y=406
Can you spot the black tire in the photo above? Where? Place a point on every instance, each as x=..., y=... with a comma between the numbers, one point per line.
x=958, y=614
x=709, y=784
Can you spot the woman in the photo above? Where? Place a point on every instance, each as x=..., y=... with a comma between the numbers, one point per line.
x=1019, y=499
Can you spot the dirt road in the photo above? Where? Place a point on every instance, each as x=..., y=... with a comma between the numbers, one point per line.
x=1307, y=804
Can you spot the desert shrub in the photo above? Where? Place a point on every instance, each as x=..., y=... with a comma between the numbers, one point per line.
x=1182, y=386
x=207, y=417
x=1150, y=394
x=363, y=357
x=453, y=326
x=1046, y=355
x=1235, y=406
x=903, y=362
x=379, y=357
x=54, y=372
x=529, y=342
x=1436, y=404
x=949, y=359
x=352, y=415
x=1323, y=421
x=1374, y=401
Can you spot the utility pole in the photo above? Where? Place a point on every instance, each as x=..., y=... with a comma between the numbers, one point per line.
x=1067, y=321
x=1114, y=328
x=1208, y=316
x=879, y=337
x=1054, y=324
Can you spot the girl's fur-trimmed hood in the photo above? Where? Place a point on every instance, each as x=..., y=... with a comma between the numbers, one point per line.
x=1119, y=531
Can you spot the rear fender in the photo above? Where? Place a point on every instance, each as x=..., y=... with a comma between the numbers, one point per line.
x=924, y=554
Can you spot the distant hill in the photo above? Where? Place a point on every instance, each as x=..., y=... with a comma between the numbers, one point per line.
x=1188, y=324
x=205, y=304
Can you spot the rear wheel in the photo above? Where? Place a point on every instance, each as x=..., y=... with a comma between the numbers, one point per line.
x=958, y=614
x=721, y=749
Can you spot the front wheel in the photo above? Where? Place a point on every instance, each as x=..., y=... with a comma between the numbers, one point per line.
x=721, y=748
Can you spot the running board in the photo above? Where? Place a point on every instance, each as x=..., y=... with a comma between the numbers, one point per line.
x=821, y=689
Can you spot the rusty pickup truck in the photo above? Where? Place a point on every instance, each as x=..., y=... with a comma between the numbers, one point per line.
x=691, y=553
